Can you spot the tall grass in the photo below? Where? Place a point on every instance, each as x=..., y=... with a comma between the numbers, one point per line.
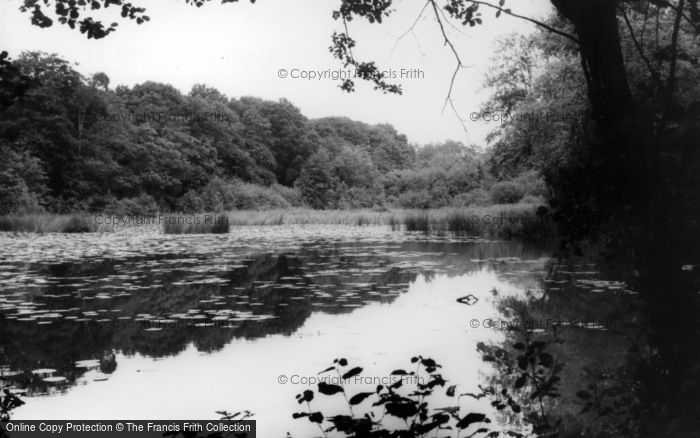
x=497, y=221
x=47, y=223
x=395, y=222
x=417, y=221
x=307, y=216
x=195, y=224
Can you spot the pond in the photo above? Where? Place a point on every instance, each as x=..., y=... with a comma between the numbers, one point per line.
x=137, y=324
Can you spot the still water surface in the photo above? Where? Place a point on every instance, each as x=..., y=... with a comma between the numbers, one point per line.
x=140, y=325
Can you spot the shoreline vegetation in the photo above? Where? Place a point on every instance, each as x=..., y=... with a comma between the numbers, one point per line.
x=496, y=221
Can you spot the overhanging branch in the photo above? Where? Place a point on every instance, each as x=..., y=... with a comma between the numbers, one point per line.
x=531, y=20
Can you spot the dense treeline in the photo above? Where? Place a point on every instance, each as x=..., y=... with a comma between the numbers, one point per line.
x=72, y=143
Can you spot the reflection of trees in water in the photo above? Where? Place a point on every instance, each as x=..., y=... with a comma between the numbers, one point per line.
x=290, y=286
x=613, y=371
x=27, y=345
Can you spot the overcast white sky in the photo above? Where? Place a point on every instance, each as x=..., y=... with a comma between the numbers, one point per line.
x=239, y=48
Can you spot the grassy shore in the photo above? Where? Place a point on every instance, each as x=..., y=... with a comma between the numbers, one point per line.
x=502, y=221
x=497, y=221
x=46, y=223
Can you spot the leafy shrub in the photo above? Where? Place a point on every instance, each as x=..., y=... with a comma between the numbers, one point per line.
x=359, y=197
x=20, y=200
x=22, y=180
x=476, y=197
x=532, y=184
x=290, y=194
x=220, y=195
x=190, y=202
x=143, y=205
x=535, y=200
x=415, y=199
x=215, y=197
x=255, y=197
x=506, y=192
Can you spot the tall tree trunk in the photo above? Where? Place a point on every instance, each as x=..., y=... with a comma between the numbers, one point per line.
x=597, y=28
x=629, y=194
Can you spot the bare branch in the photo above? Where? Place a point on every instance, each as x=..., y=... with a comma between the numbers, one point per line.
x=531, y=20
x=460, y=65
x=410, y=29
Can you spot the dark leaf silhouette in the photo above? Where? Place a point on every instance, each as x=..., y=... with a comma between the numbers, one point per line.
x=352, y=373
x=470, y=419
x=401, y=410
x=329, y=389
x=546, y=360
x=316, y=417
x=360, y=397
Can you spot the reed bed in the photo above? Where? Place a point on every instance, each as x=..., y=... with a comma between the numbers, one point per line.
x=496, y=221
x=47, y=223
x=306, y=216
x=195, y=224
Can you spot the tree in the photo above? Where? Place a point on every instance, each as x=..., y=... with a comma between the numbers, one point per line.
x=22, y=181
x=317, y=182
x=13, y=84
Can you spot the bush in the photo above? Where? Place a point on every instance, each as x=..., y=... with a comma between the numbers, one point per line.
x=536, y=200
x=358, y=197
x=20, y=200
x=190, y=202
x=532, y=184
x=506, y=192
x=290, y=194
x=477, y=197
x=143, y=205
x=220, y=195
x=215, y=197
x=415, y=199
x=255, y=197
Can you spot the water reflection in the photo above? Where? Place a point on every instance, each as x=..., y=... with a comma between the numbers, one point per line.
x=162, y=326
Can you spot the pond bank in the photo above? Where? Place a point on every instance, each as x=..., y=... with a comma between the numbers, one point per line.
x=496, y=221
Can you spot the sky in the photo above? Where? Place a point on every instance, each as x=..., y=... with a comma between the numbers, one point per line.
x=241, y=49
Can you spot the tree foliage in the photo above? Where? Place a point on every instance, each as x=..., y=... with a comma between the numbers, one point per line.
x=74, y=143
